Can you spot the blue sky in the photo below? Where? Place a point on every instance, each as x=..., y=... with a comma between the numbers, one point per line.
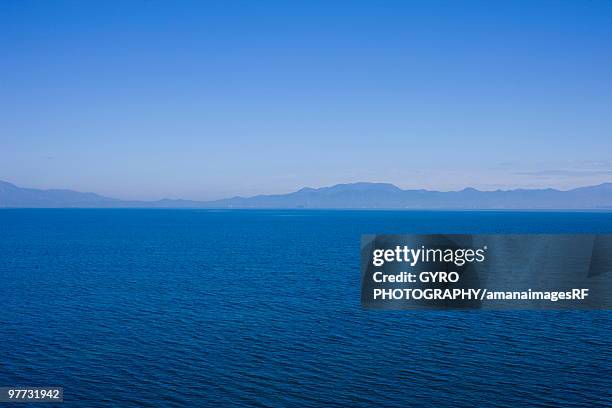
x=151, y=99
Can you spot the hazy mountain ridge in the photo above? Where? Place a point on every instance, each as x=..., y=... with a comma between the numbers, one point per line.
x=355, y=195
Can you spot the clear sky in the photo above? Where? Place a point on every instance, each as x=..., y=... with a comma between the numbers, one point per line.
x=199, y=100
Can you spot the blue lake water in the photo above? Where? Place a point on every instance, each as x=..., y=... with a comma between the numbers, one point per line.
x=138, y=308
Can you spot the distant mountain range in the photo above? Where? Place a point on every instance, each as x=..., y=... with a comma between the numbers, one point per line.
x=341, y=196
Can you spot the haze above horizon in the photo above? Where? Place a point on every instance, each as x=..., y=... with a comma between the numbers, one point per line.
x=206, y=100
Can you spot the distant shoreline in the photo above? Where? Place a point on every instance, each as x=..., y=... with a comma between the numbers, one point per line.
x=355, y=196
x=432, y=210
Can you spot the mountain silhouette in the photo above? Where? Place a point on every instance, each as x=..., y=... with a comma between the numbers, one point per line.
x=341, y=196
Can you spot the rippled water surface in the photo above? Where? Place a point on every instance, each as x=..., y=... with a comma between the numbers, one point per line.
x=193, y=308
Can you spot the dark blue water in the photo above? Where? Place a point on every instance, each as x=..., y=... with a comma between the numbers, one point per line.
x=172, y=308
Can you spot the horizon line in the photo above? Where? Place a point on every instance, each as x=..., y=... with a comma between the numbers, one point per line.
x=468, y=188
